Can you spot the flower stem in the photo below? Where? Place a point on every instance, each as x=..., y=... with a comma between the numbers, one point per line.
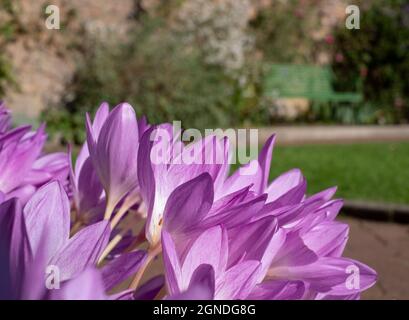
x=127, y=204
x=108, y=210
x=152, y=253
x=111, y=245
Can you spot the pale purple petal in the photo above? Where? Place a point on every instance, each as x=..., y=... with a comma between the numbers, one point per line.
x=293, y=253
x=17, y=158
x=238, y=281
x=278, y=290
x=122, y=267
x=188, y=204
x=201, y=286
x=284, y=183
x=211, y=247
x=334, y=276
x=171, y=262
x=114, y=153
x=14, y=249
x=87, y=285
x=48, y=211
x=150, y=289
x=82, y=250
x=327, y=238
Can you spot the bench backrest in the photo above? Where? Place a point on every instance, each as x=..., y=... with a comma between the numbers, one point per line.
x=304, y=81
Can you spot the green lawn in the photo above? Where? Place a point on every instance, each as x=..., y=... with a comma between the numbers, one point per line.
x=376, y=172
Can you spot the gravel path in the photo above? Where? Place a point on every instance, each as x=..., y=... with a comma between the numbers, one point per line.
x=385, y=247
x=313, y=134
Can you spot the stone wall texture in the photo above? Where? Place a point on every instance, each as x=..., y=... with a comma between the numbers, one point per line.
x=43, y=60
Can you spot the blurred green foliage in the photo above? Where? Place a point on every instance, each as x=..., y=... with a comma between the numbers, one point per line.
x=378, y=55
x=161, y=78
x=8, y=29
x=283, y=31
x=166, y=78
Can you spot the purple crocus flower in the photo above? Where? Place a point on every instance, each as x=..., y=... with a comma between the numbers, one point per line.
x=237, y=237
x=23, y=168
x=293, y=237
x=36, y=237
x=88, y=193
x=210, y=248
x=168, y=170
x=39, y=237
x=113, y=152
x=311, y=252
x=17, y=156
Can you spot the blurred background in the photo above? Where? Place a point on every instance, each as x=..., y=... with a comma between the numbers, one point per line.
x=338, y=97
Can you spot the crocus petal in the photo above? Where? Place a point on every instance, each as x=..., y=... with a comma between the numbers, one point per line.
x=188, y=204
x=87, y=285
x=326, y=212
x=265, y=162
x=258, y=179
x=238, y=281
x=236, y=215
x=123, y=295
x=211, y=247
x=23, y=193
x=146, y=179
x=14, y=248
x=38, y=271
x=324, y=195
x=150, y=289
x=201, y=286
x=293, y=253
x=334, y=276
x=238, y=180
x=332, y=208
x=250, y=240
x=278, y=290
x=259, y=240
x=143, y=125
x=171, y=262
x=327, y=238
x=89, y=188
x=114, y=151
x=14, y=135
x=52, y=166
x=293, y=196
x=48, y=211
x=284, y=183
x=93, y=130
x=208, y=155
x=229, y=201
x=120, y=268
x=100, y=117
x=82, y=250
x=17, y=158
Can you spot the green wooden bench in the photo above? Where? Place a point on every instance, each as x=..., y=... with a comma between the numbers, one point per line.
x=305, y=81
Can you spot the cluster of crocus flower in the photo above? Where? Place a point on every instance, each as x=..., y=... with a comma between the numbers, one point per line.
x=23, y=166
x=132, y=219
